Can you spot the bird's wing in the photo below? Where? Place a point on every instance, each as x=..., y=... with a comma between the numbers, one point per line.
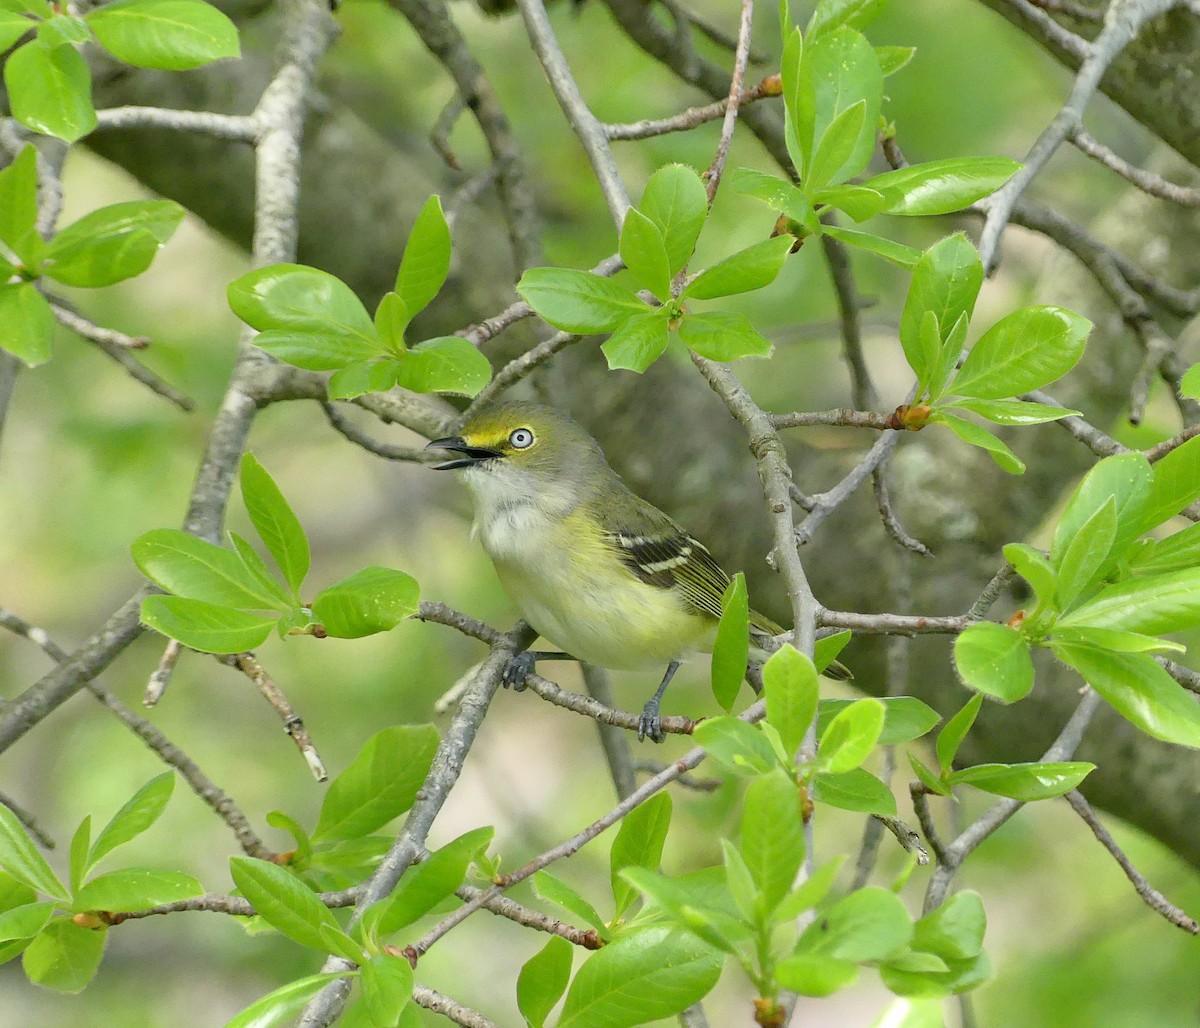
x=662, y=554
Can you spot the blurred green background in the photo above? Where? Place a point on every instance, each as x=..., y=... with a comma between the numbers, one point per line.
x=89, y=461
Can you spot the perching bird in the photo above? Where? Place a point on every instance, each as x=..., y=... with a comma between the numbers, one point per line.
x=593, y=567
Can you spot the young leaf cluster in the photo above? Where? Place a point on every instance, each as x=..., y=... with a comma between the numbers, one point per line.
x=47, y=78
x=658, y=238
x=1024, y=350
x=832, y=81
x=1106, y=595
x=313, y=320
x=108, y=245
x=61, y=937
x=228, y=600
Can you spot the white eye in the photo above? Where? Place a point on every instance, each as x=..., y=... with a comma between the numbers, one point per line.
x=521, y=439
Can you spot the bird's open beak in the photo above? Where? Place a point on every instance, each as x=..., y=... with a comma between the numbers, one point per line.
x=471, y=455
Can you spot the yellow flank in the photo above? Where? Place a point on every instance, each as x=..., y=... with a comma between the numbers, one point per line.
x=568, y=584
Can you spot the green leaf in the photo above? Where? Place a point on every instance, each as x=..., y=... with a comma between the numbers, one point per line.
x=893, y=58
x=1152, y=605
x=50, y=90
x=173, y=35
x=12, y=27
x=869, y=924
x=699, y=903
x=857, y=790
x=927, y=778
x=305, y=316
x=973, y=434
x=543, y=980
x=905, y=717
x=281, y=1006
x=206, y=627
x=946, y=281
x=645, y=254
x=960, y=976
x=63, y=956
x=199, y=570
x=827, y=648
x=426, y=260
x=1176, y=484
x=830, y=14
x=387, y=984
x=722, y=336
x=257, y=567
x=111, y=244
x=1189, y=384
x=955, y=930
x=777, y=194
x=772, y=837
x=577, y=301
x=1086, y=554
x=1035, y=569
x=638, y=341
x=888, y=249
x=275, y=522
x=941, y=187
x=850, y=737
x=676, y=202
x=1129, y=480
x=79, y=852
x=136, y=816
x=425, y=885
x=731, y=649
x=951, y=736
x=797, y=98
x=1024, y=782
x=18, y=191
x=857, y=201
x=445, y=364
x=554, y=889
x=282, y=900
x=1115, y=639
x=59, y=29
x=741, y=885
x=736, y=746
x=25, y=921
x=642, y=976
x=1174, y=553
x=380, y=783
x=831, y=162
x=391, y=321
x=28, y=321
x=1024, y=350
x=790, y=688
x=369, y=601
x=135, y=888
x=995, y=660
x=811, y=974
x=748, y=269
x=639, y=843
x=371, y=376
x=19, y=856
x=1140, y=690
x=809, y=892
x=1015, y=412
x=340, y=944
x=926, y=356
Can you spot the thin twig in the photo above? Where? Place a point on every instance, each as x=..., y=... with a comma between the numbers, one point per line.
x=843, y=417
x=502, y=906
x=236, y=127
x=449, y=1008
x=826, y=503
x=1147, y=181
x=389, y=451
x=893, y=624
x=28, y=821
x=692, y=118
x=157, y=684
x=740, y=58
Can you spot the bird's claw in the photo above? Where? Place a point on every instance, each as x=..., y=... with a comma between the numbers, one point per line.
x=517, y=670
x=650, y=724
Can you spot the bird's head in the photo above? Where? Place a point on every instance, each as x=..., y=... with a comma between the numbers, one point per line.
x=521, y=445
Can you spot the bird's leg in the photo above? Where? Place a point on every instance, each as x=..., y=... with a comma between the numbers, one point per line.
x=649, y=723
x=521, y=664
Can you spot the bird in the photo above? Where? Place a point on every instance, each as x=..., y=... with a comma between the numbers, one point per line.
x=594, y=568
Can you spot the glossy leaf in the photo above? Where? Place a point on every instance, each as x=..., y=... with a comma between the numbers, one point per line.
x=425, y=885
x=772, y=836
x=136, y=815
x=50, y=90
x=554, y=889
x=1152, y=605
x=543, y=980
x=812, y=974
x=1115, y=639
x=638, y=341
x=954, y=930
x=369, y=376
x=275, y=521
x=1174, y=553
x=777, y=194
x=173, y=35
x=199, y=570
x=645, y=254
x=731, y=649
x=995, y=660
x=868, y=924
x=1128, y=479
x=1176, y=484
x=927, y=778
x=369, y=601
x=111, y=244
x=426, y=260
x=1015, y=412
x=380, y=783
x=282, y=900
x=973, y=434
x=946, y=282
x=941, y=187
x=950, y=738
x=446, y=364
x=258, y=570
x=905, y=717
x=136, y=888
x=1025, y=350
x=20, y=857
x=25, y=921
x=1087, y=553
x=857, y=201
x=809, y=892
x=722, y=336
x=1140, y=690
x=12, y=27
x=283, y=1004
x=855, y=790
x=830, y=14
x=63, y=956
x=835, y=150
x=1032, y=566
x=790, y=688
x=639, y=843
x=26, y=322
x=851, y=736
x=741, y=272
x=676, y=202
x=888, y=249
x=736, y=746
x=18, y=192
x=577, y=301
x=1024, y=782
x=642, y=976
x=205, y=626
